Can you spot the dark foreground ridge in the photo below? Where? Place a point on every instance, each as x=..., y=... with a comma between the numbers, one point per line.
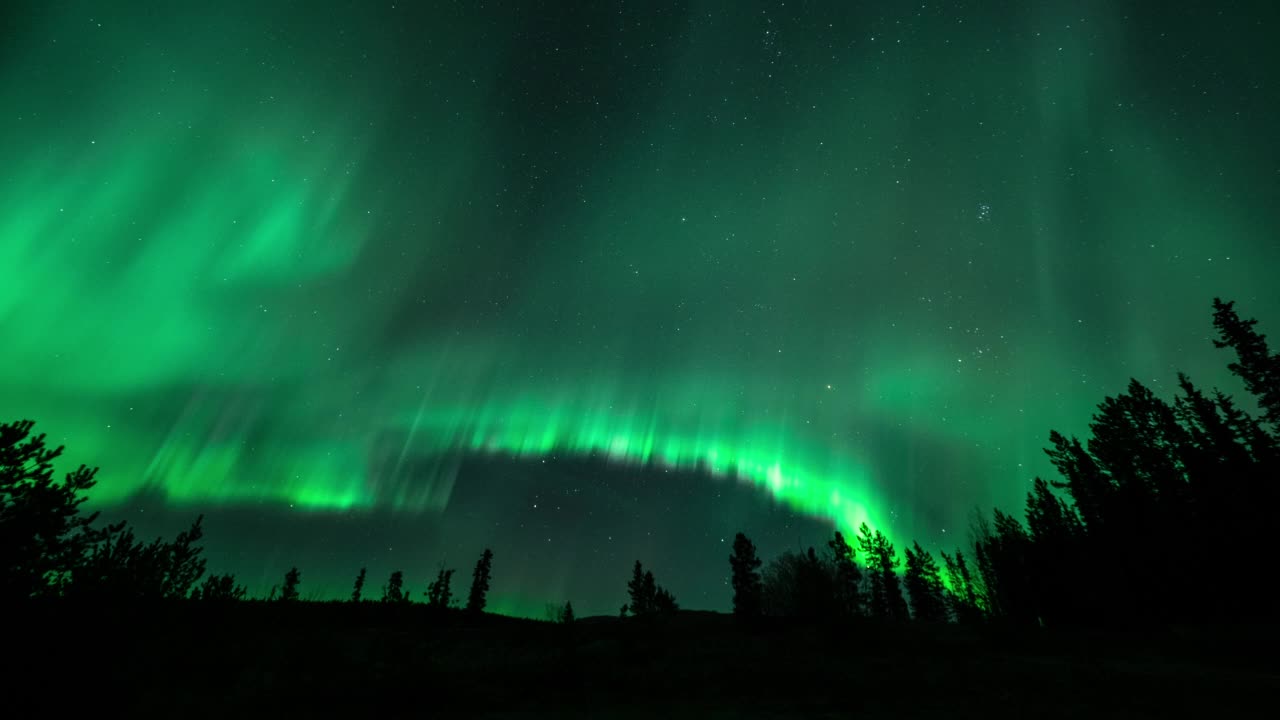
x=307, y=659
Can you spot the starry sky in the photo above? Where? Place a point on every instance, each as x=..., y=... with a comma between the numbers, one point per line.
x=382, y=283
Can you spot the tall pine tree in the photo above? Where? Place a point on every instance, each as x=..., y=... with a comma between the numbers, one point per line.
x=747, y=586
x=439, y=594
x=886, y=598
x=477, y=597
x=924, y=584
x=357, y=590
x=846, y=576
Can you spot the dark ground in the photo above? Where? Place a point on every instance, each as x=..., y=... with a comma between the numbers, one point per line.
x=332, y=659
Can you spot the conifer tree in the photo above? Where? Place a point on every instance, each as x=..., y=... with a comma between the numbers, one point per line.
x=43, y=535
x=846, y=576
x=747, y=585
x=962, y=597
x=289, y=591
x=886, y=598
x=1054, y=556
x=648, y=593
x=664, y=603
x=647, y=597
x=357, y=590
x=393, y=591
x=640, y=591
x=1255, y=364
x=438, y=593
x=476, y=598
x=924, y=584
x=567, y=617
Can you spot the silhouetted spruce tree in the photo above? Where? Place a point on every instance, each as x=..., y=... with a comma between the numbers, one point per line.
x=988, y=582
x=640, y=589
x=185, y=564
x=747, y=584
x=289, y=591
x=1092, y=490
x=480, y=582
x=647, y=597
x=1231, y=469
x=847, y=576
x=1131, y=489
x=394, y=592
x=1004, y=556
x=438, y=593
x=1235, y=462
x=962, y=598
x=1255, y=364
x=567, y=617
x=43, y=536
x=219, y=588
x=886, y=598
x=664, y=603
x=357, y=590
x=1056, y=559
x=649, y=593
x=924, y=584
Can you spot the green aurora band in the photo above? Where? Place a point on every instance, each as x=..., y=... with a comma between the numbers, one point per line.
x=248, y=257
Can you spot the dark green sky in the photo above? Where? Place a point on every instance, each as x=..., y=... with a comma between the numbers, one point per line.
x=371, y=282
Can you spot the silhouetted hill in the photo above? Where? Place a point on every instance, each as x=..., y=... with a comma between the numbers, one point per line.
x=296, y=659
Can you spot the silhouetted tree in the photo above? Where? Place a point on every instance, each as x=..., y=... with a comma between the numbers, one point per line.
x=623, y=612
x=846, y=576
x=1055, y=557
x=799, y=585
x=567, y=617
x=43, y=536
x=1006, y=550
x=747, y=583
x=438, y=593
x=480, y=582
x=1231, y=465
x=924, y=584
x=357, y=590
x=219, y=588
x=647, y=597
x=394, y=592
x=640, y=589
x=882, y=561
x=1255, y=364
x=963, y=595
x=988, y=583
x=119, y=567
x=664, y=603
x=289, y=591
x=649, y=590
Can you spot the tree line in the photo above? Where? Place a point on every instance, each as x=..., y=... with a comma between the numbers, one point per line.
x=1158, y=516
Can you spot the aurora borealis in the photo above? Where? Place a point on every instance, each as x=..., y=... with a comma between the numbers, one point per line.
x=383, y=283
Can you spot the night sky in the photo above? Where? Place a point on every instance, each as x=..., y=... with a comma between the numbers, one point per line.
x=382, y=283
